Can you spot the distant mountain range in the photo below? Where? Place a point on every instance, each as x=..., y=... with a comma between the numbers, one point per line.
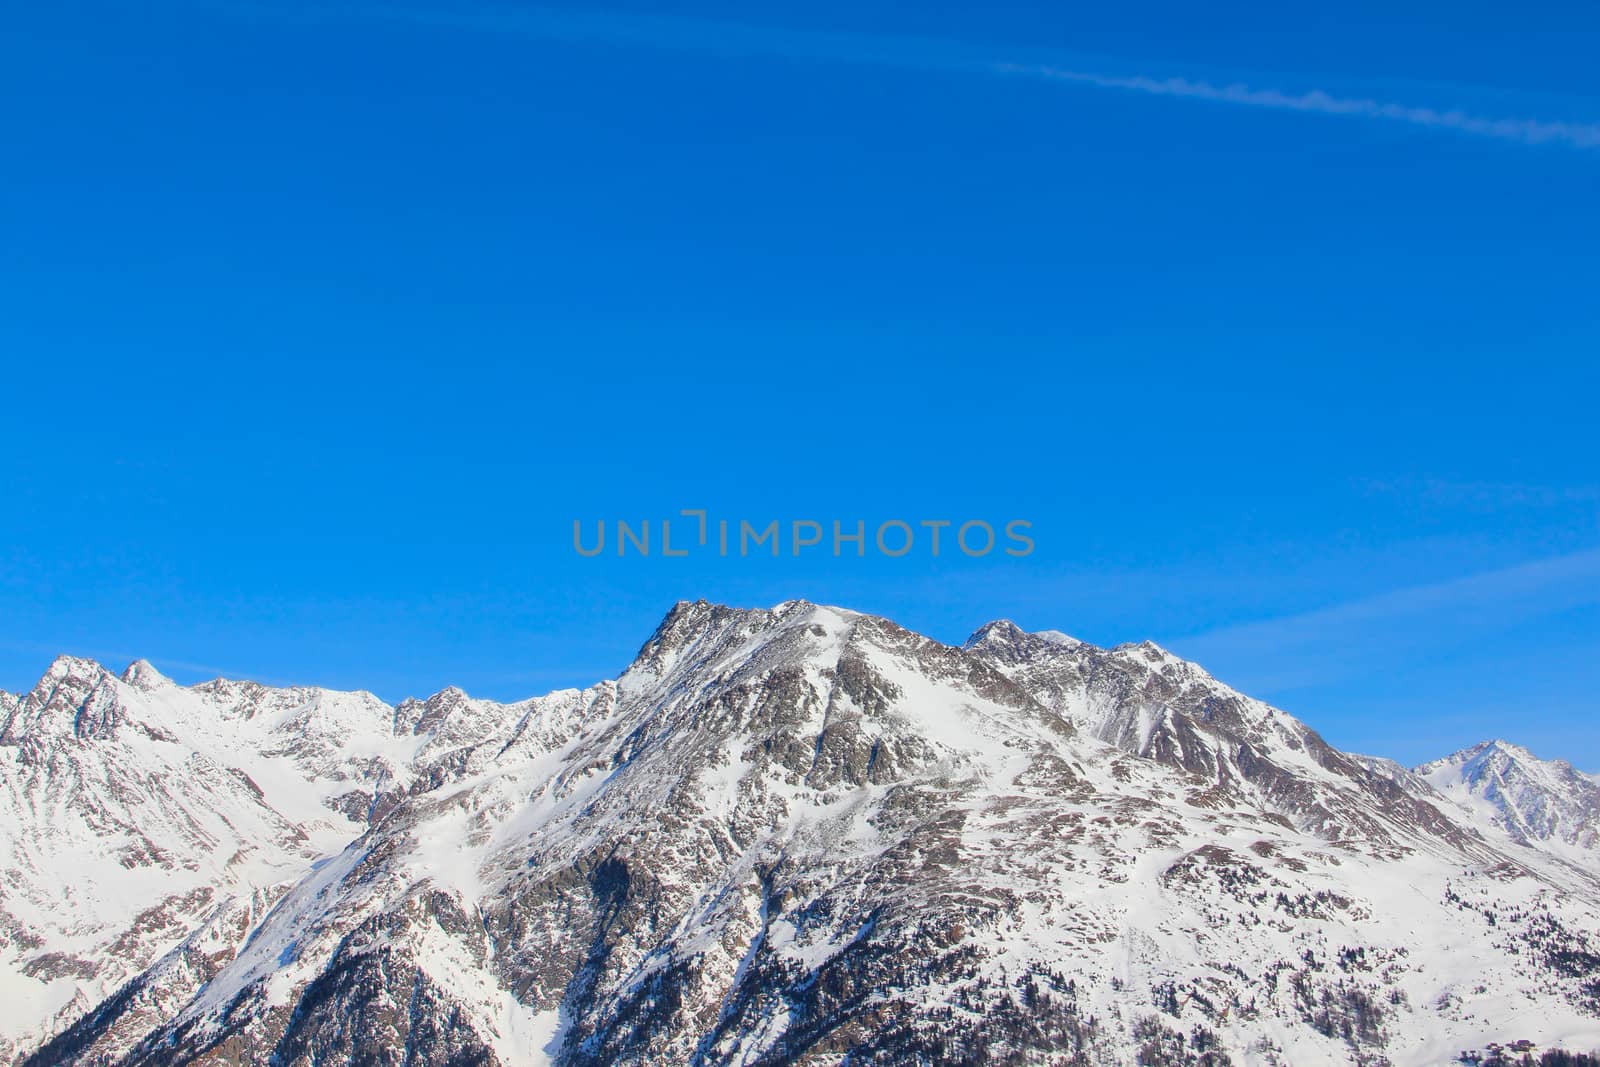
x=792, y=836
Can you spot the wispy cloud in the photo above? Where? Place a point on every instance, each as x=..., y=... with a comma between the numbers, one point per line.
x=1523, y=130
x=1487, y=496
x=746, y=39
x=1332, y=642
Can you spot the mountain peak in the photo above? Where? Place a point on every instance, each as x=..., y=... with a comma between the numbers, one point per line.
x=66, y=666
x=142, y=674
x=1503, y=746
x=1005, y=633
x=1146, y=648
x=1487, y=755
x=1522, y=754
x=1000, y=631
x=75, y=698
x=700, y=622
x=1532, y=799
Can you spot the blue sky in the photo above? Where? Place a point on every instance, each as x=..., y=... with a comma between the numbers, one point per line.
x=322, y=326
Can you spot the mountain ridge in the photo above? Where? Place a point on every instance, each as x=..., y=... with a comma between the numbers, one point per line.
x=776, y=826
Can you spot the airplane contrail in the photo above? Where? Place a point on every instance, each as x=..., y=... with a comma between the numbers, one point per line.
x=687, y=34
x=1524, y=130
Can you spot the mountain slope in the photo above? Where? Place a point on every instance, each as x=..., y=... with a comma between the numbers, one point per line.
x=1542, y=802
x=1147, y=702
x=785, y=836
x=133, y=817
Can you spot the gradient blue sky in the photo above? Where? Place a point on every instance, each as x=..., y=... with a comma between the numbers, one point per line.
x=1281, y=327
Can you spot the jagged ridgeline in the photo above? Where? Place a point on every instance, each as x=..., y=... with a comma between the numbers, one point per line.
x=797, y=836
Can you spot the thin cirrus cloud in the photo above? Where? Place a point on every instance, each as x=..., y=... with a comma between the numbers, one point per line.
x=1331, y=643
x=685, y=33
x=1523, y=130
x=1487, y=496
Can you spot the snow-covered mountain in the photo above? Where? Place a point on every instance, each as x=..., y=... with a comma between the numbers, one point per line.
x=137, y=813
x=790, y=836
x=1543, y=802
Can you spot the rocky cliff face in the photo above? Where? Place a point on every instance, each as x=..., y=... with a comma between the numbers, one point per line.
x=792, y=836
